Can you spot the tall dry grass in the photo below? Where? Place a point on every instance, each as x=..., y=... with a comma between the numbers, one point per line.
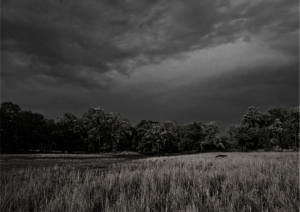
x=241, y=182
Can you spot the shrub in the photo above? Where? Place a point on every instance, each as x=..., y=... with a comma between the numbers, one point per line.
x=277, y=148
x=268, y=149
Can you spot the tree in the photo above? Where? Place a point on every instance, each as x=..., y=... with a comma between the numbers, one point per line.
x=170, y=135
x=22, y=129
x=117, y=126
x=9, y=126
x=263, y=134
x=188, y=137
x=50, y=137
x=141, y=130
x=151, y=138
x=276, y=129
x=181, y=132
x=280, y=113
x=31, y=130
x=94, y=124
x=243, y=136
x=292, y=125
x=211, y=141
x=105, y=131
x=157, y=137
x=231, y=142
x=228, y=142
x=210, y=130
x=232, y=130
x=254, y=120
x=66, y=130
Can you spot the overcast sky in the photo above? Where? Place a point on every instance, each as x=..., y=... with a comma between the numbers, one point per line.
x=176, y=60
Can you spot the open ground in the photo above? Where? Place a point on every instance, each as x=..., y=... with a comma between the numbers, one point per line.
x=256, y=181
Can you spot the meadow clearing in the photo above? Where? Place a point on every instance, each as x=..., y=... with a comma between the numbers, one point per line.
x=256, y=181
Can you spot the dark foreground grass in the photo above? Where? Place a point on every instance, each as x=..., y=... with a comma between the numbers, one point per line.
x=240, y=182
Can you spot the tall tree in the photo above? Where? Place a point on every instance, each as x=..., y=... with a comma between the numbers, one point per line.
x=254, y=120
x=50, y=137
x=232, y=130
x=140, y=139
x=9, y=126
x=244, y=137
x=277, y=130
x=119, y=127
x=66, y=130
x=94, y=122
x=292, y=125
x=211, y=141
x=31, y=130
x=278, y=113
x=170, y=136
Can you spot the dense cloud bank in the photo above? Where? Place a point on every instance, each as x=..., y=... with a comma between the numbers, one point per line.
x=78, y=41
x=151, y=57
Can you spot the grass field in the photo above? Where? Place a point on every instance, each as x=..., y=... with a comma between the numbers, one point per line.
x=262, y=181
x=77, y=161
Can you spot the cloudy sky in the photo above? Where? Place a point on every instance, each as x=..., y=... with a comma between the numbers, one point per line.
x=177, y=60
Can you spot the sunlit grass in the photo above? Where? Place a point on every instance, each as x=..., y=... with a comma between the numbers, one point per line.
x=240, y=182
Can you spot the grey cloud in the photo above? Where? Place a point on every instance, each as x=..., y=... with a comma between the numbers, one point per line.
x=223, y=98
x=69, y=35
x=57, y=54
x=21, y=68
x=277, y=16
x=226, y=97
x=288, y=44
x=100, y=33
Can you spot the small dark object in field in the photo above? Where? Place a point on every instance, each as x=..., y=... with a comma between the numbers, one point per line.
x=221, y=156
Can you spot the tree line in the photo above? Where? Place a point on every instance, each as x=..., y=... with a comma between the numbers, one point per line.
x=100, y=131
x=278, y=128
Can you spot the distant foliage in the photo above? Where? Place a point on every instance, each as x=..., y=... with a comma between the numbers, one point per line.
x=277, y=148
x=100, y=131
x=276, y=129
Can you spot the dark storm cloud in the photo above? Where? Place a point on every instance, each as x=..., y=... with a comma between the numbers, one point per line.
x=106, y=35
x=65, y=56
x=225, y=98
x=20, y=68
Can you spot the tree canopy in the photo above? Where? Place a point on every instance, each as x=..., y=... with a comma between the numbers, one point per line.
x=100, y=131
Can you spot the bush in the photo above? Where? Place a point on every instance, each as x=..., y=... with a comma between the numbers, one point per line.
x=234, y=150
x=220, y=147
x=268, y=149
x=277, y=148
x=128, y=153
x=12, y=147
x=191, y=152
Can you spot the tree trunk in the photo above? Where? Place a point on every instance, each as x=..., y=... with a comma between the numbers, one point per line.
x=93, y=146
x=68, y=145
x=112, y=142
x=99, y=145
x=280, y=142
x=295, y=139
x=63, y=146
x=112, y=139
